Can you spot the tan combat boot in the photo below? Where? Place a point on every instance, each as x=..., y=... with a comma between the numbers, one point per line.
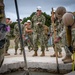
x=64, y=58
x=35, y=53
x=15, y=52
x=6, y=53
x=68, y=60
x=47, y=49
x=43, y=53
x=21, y=53
x=60, y=55
x=54, y=55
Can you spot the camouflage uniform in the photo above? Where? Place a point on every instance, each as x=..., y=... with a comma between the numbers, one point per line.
x=68, y=53
x=67, y=58
x=7, y=44
x=2, y=17
x=38, y=32
x=59, y=28
x=58, y=45
x=29, y=37
x=46, y=37
x=73, y=38
x=17, y=37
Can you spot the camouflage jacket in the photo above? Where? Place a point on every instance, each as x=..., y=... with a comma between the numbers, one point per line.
x=46, y=30
x=16, y=30
x=59, y=27
x=38, y=28
x=27, y=28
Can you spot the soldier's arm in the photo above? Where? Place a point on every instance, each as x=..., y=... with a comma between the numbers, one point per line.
x=63, y=32
x=28, y=31
x=15, y=32
x=32, y=25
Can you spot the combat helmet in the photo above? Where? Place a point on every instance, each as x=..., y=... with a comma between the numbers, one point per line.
x=60, y=11
x=68, y=19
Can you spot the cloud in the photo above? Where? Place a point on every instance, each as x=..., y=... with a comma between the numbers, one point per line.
x=26, y=7
x=12, y=15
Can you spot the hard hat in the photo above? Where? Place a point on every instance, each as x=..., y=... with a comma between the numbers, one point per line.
x=60, y=11
x=68, y=19
x=38, y=7
x=28, y=21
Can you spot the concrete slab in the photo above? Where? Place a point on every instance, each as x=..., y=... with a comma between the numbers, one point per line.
x=17, y=61
x=71, y=73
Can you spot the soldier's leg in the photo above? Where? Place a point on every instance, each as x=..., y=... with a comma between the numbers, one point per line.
x=46, y=42
x=35, y=44
x=30, y=46
x=6, y=47
x=21, y=47
x=41, y=39
x=16, y=45
x=67, y=58
x=1, y=56
x=31, y=42
x=54, y=55
x=59, y=49
x=56, y=48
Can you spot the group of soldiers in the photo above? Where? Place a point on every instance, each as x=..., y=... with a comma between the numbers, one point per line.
x=66, y=21
x=35, y=30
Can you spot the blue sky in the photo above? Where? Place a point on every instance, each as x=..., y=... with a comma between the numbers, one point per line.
x=26, y=7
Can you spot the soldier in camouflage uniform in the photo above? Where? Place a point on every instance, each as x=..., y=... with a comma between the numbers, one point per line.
x=29, y=35
x=46, y=37
x=69, y=20
x=25, y=39
x=7, y=44
x=67, y=58
x=17, y=37
x=38, y=20
x=59, y=28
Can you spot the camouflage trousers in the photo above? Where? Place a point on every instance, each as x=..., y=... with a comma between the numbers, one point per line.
x=46, y=41
x=7, y=44
x=17, y=41
x=29, y=41
x=38, y=37
x=58, y=46
x=64, y=42
x=1, y=56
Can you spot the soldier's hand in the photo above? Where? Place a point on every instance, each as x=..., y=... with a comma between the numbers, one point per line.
x=57, y=39
x=38, y=23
